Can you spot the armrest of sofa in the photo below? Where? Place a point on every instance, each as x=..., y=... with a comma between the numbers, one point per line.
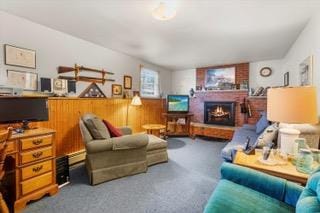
x=95, y=146
x=125, y=130
x=129, y=142
x=272, y=186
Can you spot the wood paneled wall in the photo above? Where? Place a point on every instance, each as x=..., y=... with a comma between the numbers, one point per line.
x=64, y=114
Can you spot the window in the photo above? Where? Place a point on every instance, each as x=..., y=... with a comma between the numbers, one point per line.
x=149, y=84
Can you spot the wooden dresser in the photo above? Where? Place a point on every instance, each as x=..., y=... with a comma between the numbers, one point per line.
x=32, y=159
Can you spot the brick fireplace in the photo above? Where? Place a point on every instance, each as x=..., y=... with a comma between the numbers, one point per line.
x=197, y=104
x=219, y=112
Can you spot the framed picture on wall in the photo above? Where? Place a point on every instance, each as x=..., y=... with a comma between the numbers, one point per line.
x=306, y=71
x=286, y=79
x=127, y=82
x=20, y=57
x=22, y=79
x=218, y=77
x=116, y=90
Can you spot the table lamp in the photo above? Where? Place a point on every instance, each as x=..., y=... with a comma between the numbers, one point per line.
x=292, y=105
x=136, y=101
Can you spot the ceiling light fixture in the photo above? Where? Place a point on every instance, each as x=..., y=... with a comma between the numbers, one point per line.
x=164, y=12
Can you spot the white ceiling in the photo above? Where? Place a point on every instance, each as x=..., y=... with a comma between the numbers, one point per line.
x=204, y=32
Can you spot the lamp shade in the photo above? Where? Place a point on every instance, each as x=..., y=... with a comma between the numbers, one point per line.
x=292, y=105
x=136, y=101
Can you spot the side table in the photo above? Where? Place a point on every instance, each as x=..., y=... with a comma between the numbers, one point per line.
x=154, y=129
x=287, y=171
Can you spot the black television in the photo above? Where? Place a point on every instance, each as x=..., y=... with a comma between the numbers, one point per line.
x=23, y=110
x=178, y=103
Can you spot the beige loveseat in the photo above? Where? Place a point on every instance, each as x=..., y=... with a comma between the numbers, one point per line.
x=110, y=158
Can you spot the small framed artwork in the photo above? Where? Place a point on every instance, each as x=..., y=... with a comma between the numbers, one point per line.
x=286, y=79
x=126, y=94
x=127, y=82
x=116, y=89
x=306, y=71
x=23, y=80
x=20, y=57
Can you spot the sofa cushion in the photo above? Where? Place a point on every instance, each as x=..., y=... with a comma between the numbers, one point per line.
x=238, y=141
x=156, y=143
x=232, y=197
x=309, y=199
x=262, y=123
x=96, y=127
x=267, y=136
x=114, y=132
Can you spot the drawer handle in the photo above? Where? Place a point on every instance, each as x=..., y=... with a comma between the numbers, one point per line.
x=37, y=169
x=37, y=142
x=37, y=154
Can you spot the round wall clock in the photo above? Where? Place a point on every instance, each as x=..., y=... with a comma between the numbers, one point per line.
x=265, y=71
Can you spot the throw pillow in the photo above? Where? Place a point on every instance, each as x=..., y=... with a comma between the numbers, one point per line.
x=262, y=123
x=96, y=128
x=269, y=135
x=114, y=132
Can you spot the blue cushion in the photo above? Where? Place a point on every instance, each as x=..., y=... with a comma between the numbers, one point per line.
x=313, y=181
x=231, y=197
x=310, y=197
x=308, y=202
x=262, y=123
x=255, y=180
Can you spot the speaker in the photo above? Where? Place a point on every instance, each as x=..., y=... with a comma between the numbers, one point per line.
x=62, y=170
x=72, y=87
x=45, y=84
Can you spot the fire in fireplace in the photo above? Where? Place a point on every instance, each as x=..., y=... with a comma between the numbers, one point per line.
x=218, y=112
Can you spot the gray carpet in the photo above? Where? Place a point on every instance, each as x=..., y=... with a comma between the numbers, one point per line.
x=184, y=184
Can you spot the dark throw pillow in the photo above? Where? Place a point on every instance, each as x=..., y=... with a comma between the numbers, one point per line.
x=96, y=127
x=114, y=132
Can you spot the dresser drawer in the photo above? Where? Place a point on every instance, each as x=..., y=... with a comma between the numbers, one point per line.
x=35, y=142
x=38, y=154
x=36, y=183
x=36, y=169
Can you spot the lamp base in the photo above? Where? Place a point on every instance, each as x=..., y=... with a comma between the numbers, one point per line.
x=287, y=137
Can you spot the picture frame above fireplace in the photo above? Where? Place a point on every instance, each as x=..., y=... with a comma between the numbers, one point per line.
x=218, y=78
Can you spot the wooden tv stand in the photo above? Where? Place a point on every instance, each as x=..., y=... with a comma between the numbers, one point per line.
x=171, y=119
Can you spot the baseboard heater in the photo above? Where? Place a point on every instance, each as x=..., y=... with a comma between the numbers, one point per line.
x=77, y=157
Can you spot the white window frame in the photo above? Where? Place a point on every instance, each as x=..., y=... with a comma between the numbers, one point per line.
x=156, y=86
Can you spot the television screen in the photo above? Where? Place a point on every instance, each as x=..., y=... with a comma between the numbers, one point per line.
x=178, y=103
x=20, y=109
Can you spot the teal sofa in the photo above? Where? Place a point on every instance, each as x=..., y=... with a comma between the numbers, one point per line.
x=246, y=190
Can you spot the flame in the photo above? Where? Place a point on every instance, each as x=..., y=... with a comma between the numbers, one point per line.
x=219, y=112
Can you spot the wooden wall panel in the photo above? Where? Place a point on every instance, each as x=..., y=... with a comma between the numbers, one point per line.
x=64, y=114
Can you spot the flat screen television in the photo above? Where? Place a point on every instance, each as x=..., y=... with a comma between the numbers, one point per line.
x=178, y=103
x=23, y=109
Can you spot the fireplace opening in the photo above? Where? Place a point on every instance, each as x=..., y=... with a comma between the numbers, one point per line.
x=220, y=113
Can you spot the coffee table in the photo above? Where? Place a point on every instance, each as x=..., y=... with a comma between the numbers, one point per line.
x=154, y=129
x=287, y=171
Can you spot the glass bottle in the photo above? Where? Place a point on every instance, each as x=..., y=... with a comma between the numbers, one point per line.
x=299, y=143
x=304, y=161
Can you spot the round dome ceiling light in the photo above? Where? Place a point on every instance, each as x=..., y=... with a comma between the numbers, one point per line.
x=164, y=12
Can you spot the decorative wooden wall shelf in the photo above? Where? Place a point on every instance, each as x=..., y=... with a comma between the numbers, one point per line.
x=77, y=69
